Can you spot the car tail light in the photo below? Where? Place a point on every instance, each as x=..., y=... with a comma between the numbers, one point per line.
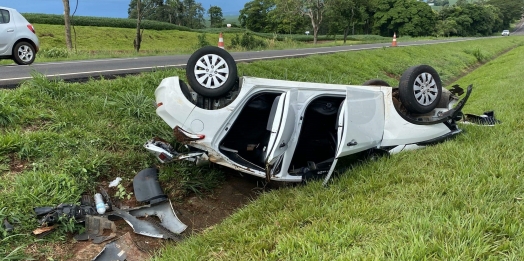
x=31, y=28
x=159, y=104
x=182, y=135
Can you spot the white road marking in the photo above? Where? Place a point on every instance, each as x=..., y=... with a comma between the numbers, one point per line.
x=87, y=61
x=238, y=60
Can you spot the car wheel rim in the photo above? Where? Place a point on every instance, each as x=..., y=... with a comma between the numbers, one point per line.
x=425, y=89
x=25, y=53
x=211, y=71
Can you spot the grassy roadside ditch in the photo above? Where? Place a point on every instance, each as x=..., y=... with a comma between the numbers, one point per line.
x=460, y=200
x=59, y=139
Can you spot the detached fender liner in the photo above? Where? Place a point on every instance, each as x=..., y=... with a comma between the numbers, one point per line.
x=440, y=139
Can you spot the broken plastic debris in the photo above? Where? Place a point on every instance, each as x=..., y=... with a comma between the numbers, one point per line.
x=115, y=182
x=7, y=226
x=111, y=252
x=50, y=215
x=142, y=227
x=125, y=246
x=164, y=211
x=95, y=229
x=487, y=119
x=147, y=188
x=42, y=230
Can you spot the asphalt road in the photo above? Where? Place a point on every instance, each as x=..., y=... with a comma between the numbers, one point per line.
x=12, y=75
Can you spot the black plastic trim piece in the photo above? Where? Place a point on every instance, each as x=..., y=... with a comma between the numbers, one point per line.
x=449, y=115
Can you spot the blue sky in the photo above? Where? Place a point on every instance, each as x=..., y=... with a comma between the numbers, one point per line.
x=104, y=8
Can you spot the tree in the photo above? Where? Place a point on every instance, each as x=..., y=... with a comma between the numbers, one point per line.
x=149, y=10
x=193, y=14
x=472, y=19
x=174, y=10
x=67, y=22
x=511, y=10
x=447, y=27
x=314, y=9
x=216, y=17
x=405, y=17
x=349, y=13
x=139, y=15
x=139, y=9
x=255, y=15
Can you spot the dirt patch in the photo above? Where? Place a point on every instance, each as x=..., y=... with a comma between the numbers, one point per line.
x=393, y=76
x=142, y=247
x=198, y=212
x=201, y=212
x=16, y=165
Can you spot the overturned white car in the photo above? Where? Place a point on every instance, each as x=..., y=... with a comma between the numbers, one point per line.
x=293, y=131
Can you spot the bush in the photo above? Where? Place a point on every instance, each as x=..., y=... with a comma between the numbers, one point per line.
x=54, y=53
x=478, y=53
x=202, y=41
x=247, y=41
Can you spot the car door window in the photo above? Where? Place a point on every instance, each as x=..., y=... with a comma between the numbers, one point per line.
x=4, y=16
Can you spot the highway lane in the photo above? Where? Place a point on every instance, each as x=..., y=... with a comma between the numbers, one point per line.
x=12, y=75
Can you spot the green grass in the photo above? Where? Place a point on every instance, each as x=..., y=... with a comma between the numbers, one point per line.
x=460, y=200
x=59, y=139
x=92, y=42
x=108, y=42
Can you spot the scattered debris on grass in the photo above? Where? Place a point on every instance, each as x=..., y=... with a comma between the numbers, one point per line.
x=486, y=119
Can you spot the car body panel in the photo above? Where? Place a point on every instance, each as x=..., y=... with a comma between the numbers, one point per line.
x=363, y=121
x=398, y=131
x=367, y=116
x=176, y=111
x=14, y=31
x=283, y=126
x=6, y=30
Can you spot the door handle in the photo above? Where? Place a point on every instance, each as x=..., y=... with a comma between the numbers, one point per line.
x=10, y=30
x=353, y=142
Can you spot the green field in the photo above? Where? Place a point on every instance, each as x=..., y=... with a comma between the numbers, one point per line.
x=460, y=200
x=109, y=42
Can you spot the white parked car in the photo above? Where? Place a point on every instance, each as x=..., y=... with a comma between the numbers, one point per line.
x=505, y=33
x=18, y=40
x=293, y=131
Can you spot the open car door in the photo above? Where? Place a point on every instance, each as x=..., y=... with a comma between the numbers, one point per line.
x=281, y=124
x=360, y=123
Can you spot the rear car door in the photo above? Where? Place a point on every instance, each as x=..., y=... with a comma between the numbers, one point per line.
x=360, y=123
x=7, y=31
x=282, y=125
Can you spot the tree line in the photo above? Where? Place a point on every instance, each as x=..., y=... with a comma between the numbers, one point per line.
x=381, y=17
x=187, y=13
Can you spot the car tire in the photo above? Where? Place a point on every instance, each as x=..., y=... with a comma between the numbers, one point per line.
x=185, y=90
x=420, y=89
x=205, y=78
x=375, y=82
x=24, y=53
